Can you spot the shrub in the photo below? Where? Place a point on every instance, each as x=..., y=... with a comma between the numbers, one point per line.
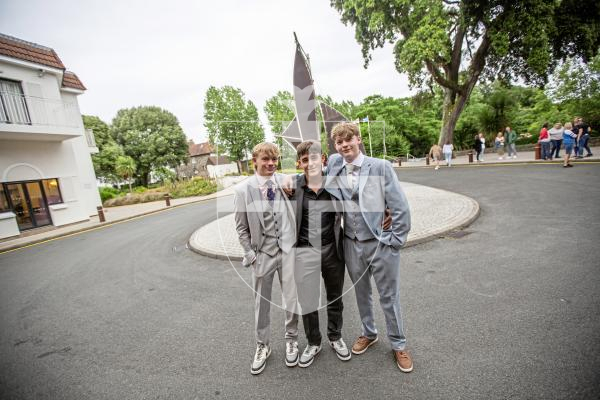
x=194, y=187
x=139, y=189
x=107, y=193
x=134, y=199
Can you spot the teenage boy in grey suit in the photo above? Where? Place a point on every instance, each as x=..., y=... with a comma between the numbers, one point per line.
x=366, y=186
x=265, y=225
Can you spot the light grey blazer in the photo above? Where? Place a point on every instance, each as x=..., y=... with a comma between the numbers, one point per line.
x=249, y=221
x=378, y=188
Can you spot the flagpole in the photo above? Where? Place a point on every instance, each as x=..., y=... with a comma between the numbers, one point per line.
x=369, y=131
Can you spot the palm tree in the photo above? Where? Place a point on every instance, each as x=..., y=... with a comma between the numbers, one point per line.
x=125, y=168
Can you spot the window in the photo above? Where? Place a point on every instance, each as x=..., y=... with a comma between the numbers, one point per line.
x=13, y=108
x=52, y=191
x=3, y=200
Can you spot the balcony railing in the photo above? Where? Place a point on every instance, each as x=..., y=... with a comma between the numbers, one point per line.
x=29, y=110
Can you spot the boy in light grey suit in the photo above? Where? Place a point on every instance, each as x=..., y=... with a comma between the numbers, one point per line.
x=365, y=186
x=265, y=225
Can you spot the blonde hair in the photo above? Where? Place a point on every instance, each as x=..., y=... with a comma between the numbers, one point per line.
x=269, y=149
x=345, y=130
x=568, y=125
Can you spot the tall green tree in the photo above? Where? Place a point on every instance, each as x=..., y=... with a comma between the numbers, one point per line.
x=125, y=168
x=108, y=150
x=453, y=43
x=152, y=137
x=232, y=121
x=280, y=111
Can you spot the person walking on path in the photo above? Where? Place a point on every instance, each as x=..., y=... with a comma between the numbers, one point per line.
x=264, y=223
x=435, y=153
x=556, y=137
x=482, y=139
x=365, y=186
x=510, y=141
x=583, y=136
x=569, y=138
x=477, y=147
x=447, y=150
x=544, y=141
x=499, y=144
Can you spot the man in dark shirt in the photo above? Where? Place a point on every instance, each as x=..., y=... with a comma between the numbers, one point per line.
x=583, y=136
x=319, y=251
x=319, y=235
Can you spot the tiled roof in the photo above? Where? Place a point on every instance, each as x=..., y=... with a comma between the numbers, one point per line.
x=199, y=149
x=72, y=81
x=35, y=53
x=17, y=48
x=221, y=160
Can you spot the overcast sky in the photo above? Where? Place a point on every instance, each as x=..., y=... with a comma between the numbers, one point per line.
x=167, y=53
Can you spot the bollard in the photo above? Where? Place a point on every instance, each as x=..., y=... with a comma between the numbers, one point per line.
x=427, y=160
x=538, y=151
x=470, y=153
x=399, y=161
x=100, y=214
x=168, y=200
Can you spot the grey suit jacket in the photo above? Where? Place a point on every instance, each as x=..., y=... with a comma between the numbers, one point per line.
x=298, y=199
x=249, y=221
x=378, y=188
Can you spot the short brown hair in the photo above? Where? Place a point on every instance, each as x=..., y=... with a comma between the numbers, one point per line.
x=345, y=130
x=269, y=148
x=308, y=146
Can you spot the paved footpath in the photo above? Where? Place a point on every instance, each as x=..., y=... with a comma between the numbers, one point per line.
x=434, y=212
x=492, y=158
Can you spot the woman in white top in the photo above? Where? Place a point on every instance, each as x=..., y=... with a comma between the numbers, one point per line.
x=447, y=150
x=482, y=139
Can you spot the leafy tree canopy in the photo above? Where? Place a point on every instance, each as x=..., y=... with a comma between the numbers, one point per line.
x=152, y=137
x=232, y=121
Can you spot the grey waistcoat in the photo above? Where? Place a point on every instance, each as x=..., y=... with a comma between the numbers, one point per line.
x=355, y=226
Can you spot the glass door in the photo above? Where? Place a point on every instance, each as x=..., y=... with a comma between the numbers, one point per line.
x=39, y=206
x=29, y=204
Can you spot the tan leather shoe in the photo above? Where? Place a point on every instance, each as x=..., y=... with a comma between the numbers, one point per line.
x=403, y=360
x=362, y=344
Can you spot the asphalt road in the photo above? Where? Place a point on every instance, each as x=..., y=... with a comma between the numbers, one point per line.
x=509, y=310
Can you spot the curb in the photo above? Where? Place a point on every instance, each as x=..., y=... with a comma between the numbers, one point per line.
x=468, y=220
x=100, y=225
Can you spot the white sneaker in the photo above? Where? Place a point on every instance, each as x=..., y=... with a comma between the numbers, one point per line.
x=514, y=156
x=341, y=350
x=500, y=158
x=308, y=355
x=263, y=352
x=437, y=167
x=291, y=354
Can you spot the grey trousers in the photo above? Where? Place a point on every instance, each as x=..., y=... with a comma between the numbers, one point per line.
x=263, y=287
x=371, y=258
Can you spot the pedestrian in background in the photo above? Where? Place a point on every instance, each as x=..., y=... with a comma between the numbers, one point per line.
x=575, y=130
x=544, y=141
x=482, y=139
x=510, y=140
x=499, y=143
x=569, y=140
x=556, y=136
x=477, y=146
x=436, y=153
x=447, y=150
x=583, y=136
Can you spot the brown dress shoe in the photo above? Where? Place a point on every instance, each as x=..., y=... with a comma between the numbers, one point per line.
x=403, y=360
x=362, y=344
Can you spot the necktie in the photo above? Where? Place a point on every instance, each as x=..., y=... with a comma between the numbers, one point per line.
x=350, y=175
x=270, y=193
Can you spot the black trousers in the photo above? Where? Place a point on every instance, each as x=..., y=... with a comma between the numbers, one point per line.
x=308, y=283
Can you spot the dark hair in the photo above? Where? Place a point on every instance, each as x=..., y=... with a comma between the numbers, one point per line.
x=545, y=125
x=308, y=146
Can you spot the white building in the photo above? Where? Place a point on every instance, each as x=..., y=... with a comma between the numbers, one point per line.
x=221, y=166
x=46, y=171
